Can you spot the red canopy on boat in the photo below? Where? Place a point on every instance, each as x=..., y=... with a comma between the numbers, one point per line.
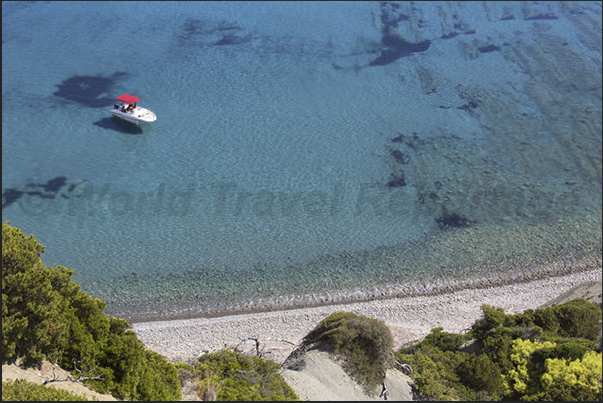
x=129, y=99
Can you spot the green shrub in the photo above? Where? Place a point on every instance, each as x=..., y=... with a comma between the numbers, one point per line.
x=493, y=318
x=443, y=340
x=577, y=318
x=479, y=373
x=569, y=349
x=435, y=373
x=556, y=378
x=497, y=343
x=33, y=392
x=230, y=376
x=158, y=378
x=542, y=354
x=34, y=309
x=46, y=315
x=364, y=344
x=565, y=380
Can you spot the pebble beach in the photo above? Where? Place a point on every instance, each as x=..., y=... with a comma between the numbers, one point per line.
x=409, y=319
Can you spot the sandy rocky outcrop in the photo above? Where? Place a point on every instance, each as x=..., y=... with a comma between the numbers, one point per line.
x=316, y=374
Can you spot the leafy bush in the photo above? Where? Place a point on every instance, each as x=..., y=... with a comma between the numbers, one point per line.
x=578, y=379
x=493, y=318
x=364, y=344
x=557, y=379
x=34, y=307
x=497, y=348
x=569, y=349
x=230, y=376
x=542, y=354
x=482, y=375
x=46, y=315
x=33, y=392
x=443, y=340
x=577, y=318
x=518, y=378
x=435, y=373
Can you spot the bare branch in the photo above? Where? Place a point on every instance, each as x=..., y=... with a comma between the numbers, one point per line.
x=286, y=341
x=384, y=392
x=404, y=367
x=258, y=352
x=54, y=375
x=81, y=378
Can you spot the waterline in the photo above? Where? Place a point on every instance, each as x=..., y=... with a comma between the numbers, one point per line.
x=442, y=264
x=424, y=286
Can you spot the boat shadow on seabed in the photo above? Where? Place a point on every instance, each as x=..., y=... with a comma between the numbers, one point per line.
x=119, y=125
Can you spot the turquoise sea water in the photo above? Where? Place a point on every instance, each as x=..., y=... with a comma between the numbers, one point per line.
x=304, y=152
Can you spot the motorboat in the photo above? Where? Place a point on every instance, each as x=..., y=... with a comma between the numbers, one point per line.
x=130, y=111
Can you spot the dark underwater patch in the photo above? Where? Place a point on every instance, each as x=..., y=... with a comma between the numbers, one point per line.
x=9, y=196
x=53, y=185
x=452, y=220
x=194, y=28
x=391, y=14
x=398, y=139
x=88, y=90
x=399, y=157
x=543, y=17
x=48, y=190
x=450, y=35
x=468, y=106
x=411, y=141
x=396, y=180
x=488, y=49
x=231, y=39
x=191, y=27
x=395, y=48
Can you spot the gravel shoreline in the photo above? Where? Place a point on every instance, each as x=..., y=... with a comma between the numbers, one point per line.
x=409, y=318
x=426, y=283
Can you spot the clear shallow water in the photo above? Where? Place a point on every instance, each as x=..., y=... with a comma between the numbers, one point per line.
x=303, y=152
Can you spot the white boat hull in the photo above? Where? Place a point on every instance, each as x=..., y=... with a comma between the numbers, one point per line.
x=136, y=116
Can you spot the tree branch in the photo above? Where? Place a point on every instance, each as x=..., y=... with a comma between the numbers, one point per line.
x=81, y=378
x=405, y=367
